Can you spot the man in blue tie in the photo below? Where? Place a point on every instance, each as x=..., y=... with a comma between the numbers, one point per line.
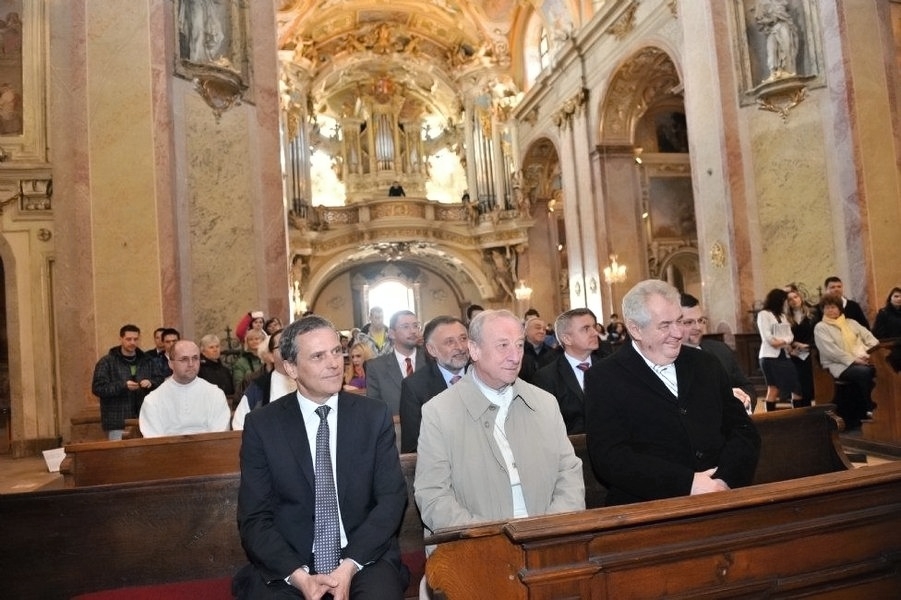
x=315, y=512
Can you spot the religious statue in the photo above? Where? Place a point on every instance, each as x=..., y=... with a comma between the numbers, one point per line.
x=775, y=22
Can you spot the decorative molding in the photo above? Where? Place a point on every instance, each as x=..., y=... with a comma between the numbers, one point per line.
x=33, y=196
x=674, y=8
x=571, y=108
x=624, y=25
x=718, y=255
x=220, y=87
x=781, y=95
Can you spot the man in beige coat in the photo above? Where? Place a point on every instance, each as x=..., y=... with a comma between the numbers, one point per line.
x=493, y=447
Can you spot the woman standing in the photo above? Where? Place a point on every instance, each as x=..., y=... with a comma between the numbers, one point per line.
x=775, y=344
x=801, y=317
x=843, y=345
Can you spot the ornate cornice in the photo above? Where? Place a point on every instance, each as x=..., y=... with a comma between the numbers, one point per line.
x=624, y=25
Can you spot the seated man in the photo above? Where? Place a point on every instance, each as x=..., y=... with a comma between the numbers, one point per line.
x=184, y=403
x=661, y=419
x=565, y=377
x=446, y=342
x=694, y=326
x=322, y=492
x=491, y=446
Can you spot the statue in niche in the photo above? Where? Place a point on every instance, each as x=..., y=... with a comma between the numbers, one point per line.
x=201, y=27
x=503, y=270
x=775, y=22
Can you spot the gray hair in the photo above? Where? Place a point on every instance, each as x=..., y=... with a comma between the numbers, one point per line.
x=563, y=322
x=288, y=344
x=208, y=340
x=635, y=302
x=481, y=319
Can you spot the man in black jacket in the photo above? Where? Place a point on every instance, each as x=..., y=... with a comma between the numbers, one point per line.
x=660, y=418
x=694, y=326
x=121, y=380
x=564, y=378
x=446, y=342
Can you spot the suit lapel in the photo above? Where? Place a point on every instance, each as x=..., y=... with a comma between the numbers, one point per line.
x=295, y=433
x=347, y=436
x=633, y=362
x=569, y=378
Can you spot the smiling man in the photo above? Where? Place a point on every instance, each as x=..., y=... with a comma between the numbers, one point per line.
x=322, y=492
x=660, y=418
x=446, y=342
x=492, y=446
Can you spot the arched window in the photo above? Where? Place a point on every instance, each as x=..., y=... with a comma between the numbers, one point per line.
x=536, y=48
x=391, y=296
x=544, y=49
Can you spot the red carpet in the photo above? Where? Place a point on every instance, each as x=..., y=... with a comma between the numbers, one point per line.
x=201, y=589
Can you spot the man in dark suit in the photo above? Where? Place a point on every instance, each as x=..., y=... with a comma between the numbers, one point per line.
x=385, y=373
x=447, y=343
x=565, y=377
x=287, y=516
x=694, y=326
x=536, y=353
x=660, y=419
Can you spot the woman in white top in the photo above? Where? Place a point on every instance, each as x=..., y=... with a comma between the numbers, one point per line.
x=775, y=346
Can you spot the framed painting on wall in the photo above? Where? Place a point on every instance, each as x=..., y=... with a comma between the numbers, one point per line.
x=671, y=208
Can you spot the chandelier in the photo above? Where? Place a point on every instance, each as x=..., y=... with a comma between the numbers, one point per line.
x=614, y=272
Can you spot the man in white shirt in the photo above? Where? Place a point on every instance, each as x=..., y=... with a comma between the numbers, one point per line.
x=385, y=373
x=184, y=403
x=660, y=418
x=493, y=447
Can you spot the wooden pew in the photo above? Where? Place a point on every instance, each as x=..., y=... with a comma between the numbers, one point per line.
x=92, y=538
x=61, y=543
x=886, y=424
x=148, y=459
x=833, y=535
x=796, y=443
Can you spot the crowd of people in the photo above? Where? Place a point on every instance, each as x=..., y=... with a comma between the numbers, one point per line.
x=836, y=330
x=488, y=404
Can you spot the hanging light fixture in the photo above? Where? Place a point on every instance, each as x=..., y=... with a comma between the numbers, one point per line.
x=614, y=272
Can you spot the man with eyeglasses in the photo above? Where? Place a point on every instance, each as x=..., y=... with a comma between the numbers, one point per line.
x=385, y=373
x=661, y=420
x=694, y=326
x=184, y=403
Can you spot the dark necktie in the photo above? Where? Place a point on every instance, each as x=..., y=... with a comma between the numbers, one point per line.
x=327, y=540
x=409, y=364
x=455, y=379
x=583, y=366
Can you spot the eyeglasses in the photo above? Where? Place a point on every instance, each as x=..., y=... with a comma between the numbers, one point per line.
x=693, y=322
x=409, y=326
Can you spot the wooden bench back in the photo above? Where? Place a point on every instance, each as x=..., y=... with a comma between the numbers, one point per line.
x=148, y=459
x=103, y=537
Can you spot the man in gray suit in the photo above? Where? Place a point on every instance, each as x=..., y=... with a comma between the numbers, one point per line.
x=385, y=373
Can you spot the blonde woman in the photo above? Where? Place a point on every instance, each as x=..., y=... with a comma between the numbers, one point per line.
x=354, y=374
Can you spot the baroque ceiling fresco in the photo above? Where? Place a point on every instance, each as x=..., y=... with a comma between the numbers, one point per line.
x=428, y=53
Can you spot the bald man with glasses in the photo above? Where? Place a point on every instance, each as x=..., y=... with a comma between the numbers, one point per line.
x=184, y=403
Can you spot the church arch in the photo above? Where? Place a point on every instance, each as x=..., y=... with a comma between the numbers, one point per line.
x=646, y=169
